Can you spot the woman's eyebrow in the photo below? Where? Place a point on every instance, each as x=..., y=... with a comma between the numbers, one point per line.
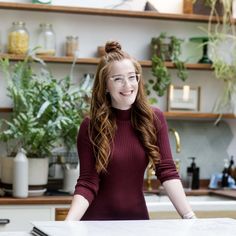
x=133, y=72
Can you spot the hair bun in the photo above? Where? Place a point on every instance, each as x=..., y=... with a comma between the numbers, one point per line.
x=112, y=46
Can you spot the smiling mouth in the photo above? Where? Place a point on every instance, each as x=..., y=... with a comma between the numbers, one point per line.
x=127, y=93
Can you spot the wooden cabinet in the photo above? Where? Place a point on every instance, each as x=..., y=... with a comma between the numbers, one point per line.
x=21, y=211
x=61, y=213
x=199, y=214
x=20, y=216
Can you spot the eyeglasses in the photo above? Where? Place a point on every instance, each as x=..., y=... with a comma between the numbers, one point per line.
x=120, y=80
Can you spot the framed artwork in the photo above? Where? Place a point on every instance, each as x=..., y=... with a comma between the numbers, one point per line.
x=183, y=98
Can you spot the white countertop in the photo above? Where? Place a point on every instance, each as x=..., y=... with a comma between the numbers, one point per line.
x=203, y=227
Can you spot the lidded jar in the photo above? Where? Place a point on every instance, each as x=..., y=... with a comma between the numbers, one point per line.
x=18, y=38
x=46, y=40
x=72, y=46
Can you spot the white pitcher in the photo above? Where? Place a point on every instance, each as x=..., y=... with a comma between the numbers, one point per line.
x=70, y=178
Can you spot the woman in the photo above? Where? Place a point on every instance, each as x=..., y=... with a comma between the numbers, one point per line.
x=115, y=145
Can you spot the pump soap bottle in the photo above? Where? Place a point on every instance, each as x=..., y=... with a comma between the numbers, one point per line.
x=225, y=175
x=231, y=168
x=193, y=175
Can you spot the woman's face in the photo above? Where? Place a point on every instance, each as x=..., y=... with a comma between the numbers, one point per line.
x=122, y=84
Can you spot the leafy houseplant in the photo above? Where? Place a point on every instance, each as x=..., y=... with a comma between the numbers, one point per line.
x=46, y=112
x=165, y=48
x=223, y=39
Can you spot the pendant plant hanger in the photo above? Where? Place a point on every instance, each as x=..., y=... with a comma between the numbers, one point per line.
x=165, y=48
x=222, y=42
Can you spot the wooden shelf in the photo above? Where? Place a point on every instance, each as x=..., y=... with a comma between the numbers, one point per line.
x=6, y=109
x=104, y=12
x=94, y=61
x=53, y=59
x=191, y=115
x=171, y=115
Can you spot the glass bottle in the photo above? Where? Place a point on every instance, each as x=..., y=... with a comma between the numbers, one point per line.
x=18, y=38
x=46, y=40
x=42, y=1
x=72, y=46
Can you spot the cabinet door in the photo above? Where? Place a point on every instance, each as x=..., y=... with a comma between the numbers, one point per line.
x=20, y=217
x=61, y=213
x=216, y=214
x=164, y=215
x=199, y=214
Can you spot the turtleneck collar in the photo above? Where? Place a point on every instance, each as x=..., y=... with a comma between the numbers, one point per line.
x=122, y=114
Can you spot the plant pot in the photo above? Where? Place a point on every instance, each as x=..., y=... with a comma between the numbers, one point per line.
x=163, y=49
x=7, y=170
x=38, y=172
x=199, y=7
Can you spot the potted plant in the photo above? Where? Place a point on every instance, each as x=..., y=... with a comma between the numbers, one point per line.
x=46, y=113
x=222, y=42
x=202, y=7
x=165, y=48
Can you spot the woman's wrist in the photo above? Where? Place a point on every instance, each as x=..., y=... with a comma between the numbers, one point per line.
x=189, y=215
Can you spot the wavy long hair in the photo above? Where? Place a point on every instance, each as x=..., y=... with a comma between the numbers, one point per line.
x=102, y=126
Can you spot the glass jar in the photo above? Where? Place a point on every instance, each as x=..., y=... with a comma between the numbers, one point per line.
x=18, y=38
x=46, y=41
x=72, y=46
x=42, y=1
x=188, y=7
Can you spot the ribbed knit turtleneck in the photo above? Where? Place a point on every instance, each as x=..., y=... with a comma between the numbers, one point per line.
x=118, y=193
x=122, y=115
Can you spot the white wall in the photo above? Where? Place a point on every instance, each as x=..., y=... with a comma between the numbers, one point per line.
x=134, y=35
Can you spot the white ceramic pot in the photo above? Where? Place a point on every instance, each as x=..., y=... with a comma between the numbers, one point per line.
x=7, y=170
x=38, y=171
x=0, y=166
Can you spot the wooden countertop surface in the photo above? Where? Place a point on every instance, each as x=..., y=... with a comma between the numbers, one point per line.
x=225, y=193
x=36, y=200
x=67, y=199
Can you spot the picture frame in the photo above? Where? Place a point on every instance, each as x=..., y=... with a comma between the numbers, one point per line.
x=183, y=98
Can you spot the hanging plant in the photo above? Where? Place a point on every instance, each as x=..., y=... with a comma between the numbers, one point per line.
x=223, y=54
x=165, y=48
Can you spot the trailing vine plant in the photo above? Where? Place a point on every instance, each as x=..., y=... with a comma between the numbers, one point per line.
x=223, y=54
x=165, y=48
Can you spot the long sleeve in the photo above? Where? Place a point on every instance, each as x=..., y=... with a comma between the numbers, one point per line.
x=88, y=182
x=166, y=169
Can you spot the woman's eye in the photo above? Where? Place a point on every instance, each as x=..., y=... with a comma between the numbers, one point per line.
x=133, y=77
x=118, y=79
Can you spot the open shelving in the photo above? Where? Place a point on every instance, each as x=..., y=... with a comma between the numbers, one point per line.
x=152, y=15
x=104, y=12
x=197, y=115
x=94, y=61
x=170, y=115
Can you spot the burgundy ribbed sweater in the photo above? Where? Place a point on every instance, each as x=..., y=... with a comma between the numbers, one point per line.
x=118, y=194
